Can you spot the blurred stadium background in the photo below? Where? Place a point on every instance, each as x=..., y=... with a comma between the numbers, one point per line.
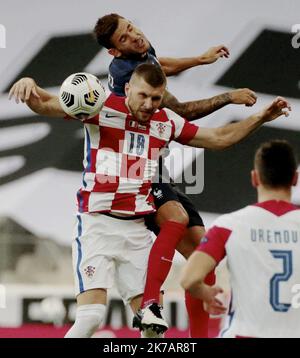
x=40, y=158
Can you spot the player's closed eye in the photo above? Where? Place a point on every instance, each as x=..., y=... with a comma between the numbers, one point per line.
x=156, y=98
x=123, y=39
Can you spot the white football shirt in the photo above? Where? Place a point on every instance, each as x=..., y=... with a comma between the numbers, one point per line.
x=262, y=245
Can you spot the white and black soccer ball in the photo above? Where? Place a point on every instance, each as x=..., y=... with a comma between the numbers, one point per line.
x=82, y=96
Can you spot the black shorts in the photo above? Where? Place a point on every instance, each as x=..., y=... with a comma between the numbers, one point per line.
x=164, y=192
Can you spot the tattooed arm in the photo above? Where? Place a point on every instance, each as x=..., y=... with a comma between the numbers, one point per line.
x=200, y=108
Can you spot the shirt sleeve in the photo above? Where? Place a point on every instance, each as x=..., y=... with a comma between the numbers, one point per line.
x=214, y=242
x=183, y=131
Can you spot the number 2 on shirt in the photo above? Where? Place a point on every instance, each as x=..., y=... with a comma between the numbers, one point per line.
x=287, y=261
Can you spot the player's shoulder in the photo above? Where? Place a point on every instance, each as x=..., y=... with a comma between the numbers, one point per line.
x=234, y=218
x=115, y=103
x=120, y=66
x=295, y=213
x=225, y=221
x=162, y=115
x=172, y=116
x=277, y=208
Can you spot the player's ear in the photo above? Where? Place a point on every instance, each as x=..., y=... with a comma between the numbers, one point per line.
x=295, y=179
x=114, y=52
x=254, y=178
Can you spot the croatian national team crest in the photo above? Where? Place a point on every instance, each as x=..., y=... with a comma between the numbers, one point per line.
x=89, y=271
x=161, y=127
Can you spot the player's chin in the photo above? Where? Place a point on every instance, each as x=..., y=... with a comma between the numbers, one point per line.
x=145, y=116
x=147, y=44
x=144, y=48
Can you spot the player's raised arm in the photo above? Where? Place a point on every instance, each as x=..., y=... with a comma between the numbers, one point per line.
x=224, y=137
x=173, y=66
x=38, y=100
x=200, y=108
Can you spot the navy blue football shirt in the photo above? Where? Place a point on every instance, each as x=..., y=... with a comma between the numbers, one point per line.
x=120, y=70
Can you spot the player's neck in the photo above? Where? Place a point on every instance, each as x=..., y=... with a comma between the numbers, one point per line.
x=128, y=106
x=275, y=194
x=134, y=56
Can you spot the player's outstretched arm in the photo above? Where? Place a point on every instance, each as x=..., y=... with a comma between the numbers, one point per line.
x=224, y=137
x=200, y=108
x=173, y=66
x=37, y=99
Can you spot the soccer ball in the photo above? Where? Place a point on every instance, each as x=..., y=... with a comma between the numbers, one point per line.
x=82, y=96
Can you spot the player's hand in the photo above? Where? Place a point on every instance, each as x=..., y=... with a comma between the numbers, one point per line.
x=280, y=106
x=23, y=89
x=213, y=54
x=211, y=303
x=243, y=96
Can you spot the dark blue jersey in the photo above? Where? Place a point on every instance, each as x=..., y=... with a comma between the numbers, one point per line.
x=120, y=70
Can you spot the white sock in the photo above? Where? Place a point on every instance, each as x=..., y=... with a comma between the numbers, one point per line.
x=88, y=320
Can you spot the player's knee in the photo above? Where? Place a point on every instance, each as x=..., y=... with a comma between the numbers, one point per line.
x=190, y=241
x=182, y=218
x=93, y=323
x=173, y=211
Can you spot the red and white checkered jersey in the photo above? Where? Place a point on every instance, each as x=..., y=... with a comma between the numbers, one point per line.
x=121, y=156
x=262, y=244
